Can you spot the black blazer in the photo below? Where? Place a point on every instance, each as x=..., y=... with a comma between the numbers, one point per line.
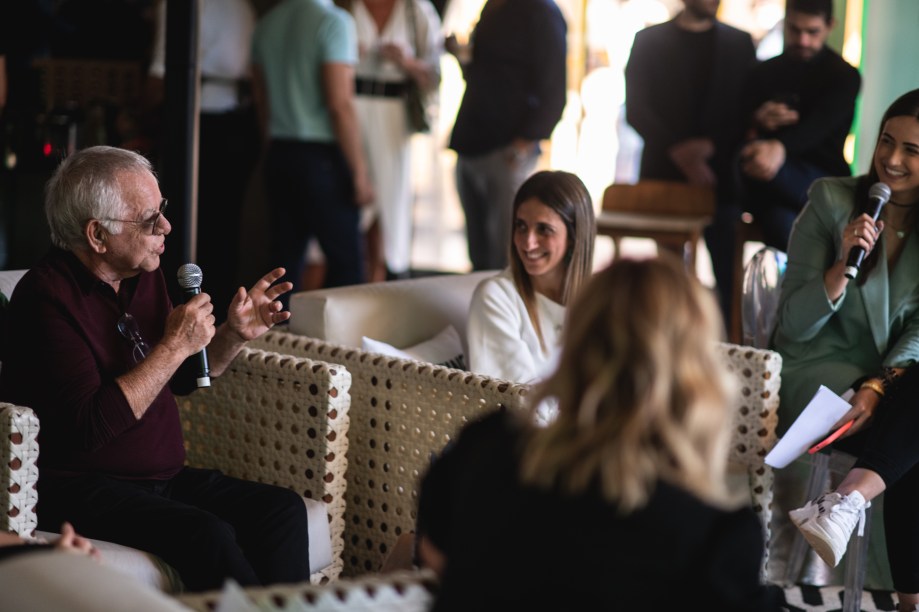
x=662, y=93
x=824, y=90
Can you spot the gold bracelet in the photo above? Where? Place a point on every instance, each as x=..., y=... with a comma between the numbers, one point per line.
x=874, y=385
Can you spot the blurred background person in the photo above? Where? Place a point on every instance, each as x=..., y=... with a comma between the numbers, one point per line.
x=398, y=41
x=799, y=108
x=684, y=80
x=315, y=173
x=516, y=81
x=228, y=141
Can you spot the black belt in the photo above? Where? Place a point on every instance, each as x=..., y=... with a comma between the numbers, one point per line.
x=216, y=80
x=385, y=89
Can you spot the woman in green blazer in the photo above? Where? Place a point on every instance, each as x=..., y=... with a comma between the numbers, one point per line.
x=838, y=332
x=862, y=334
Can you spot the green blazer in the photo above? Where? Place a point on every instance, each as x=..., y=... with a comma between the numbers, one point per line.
x=872, y=325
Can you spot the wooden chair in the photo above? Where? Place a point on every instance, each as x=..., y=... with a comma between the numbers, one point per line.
x=671, y=213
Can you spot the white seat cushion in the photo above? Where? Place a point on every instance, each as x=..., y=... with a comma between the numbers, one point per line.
x=400, y=313
x=52, y=580
x=446, y=349
x=317, y=513
x=148, y=569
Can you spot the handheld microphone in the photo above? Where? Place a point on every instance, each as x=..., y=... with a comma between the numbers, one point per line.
x=189, y=277
x=878, y=195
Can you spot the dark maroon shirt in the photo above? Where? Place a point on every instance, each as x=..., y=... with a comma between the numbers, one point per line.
x=61, y=356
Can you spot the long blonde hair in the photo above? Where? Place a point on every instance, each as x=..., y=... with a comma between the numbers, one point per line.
x=567, y=196
x=641, y=388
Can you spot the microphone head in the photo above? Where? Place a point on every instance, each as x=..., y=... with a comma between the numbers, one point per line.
x=879, y=191
x=190, y=276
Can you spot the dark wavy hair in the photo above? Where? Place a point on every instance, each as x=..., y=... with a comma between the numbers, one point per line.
x=823, y=8
x=907, y=105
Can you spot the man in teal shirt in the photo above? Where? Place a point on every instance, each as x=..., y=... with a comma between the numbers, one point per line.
x=303, y=55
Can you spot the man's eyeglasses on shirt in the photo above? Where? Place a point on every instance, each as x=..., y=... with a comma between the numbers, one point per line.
x=152, y=222
x=127, y=326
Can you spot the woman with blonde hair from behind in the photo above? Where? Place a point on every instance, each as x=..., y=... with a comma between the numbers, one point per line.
x=625, y=491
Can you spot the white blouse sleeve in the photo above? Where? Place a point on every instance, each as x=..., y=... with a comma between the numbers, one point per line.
x=497, y=333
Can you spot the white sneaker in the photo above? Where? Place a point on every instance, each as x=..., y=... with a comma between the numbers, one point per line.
x=828, y=521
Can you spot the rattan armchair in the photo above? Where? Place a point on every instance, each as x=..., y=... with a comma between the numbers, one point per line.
x=403, y=412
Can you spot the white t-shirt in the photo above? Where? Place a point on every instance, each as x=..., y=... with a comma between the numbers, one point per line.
x=225, y=40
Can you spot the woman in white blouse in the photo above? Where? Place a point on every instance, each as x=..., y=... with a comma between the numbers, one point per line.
x=515, y=317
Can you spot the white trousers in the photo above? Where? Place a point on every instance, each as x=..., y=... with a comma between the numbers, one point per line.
x=386, y=140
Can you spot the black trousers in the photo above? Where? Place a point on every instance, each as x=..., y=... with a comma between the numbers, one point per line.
x=229, y=150
x=890, y=447
x=310, y=191
x=204, y=524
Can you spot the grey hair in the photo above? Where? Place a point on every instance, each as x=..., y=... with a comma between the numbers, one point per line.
x=86, y=186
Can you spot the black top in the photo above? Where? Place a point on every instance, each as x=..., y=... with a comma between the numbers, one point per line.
x=511, y=547
x=683, y=85
x=516, y=82
x=823, y=89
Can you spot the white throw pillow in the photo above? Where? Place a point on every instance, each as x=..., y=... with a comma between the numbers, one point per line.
x=444, y=349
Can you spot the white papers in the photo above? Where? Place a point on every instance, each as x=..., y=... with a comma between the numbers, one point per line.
x=811, y=426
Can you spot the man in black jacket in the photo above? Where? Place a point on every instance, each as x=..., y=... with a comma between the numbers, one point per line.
x=515, y=94
x=684, y=81
x=800, y=107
